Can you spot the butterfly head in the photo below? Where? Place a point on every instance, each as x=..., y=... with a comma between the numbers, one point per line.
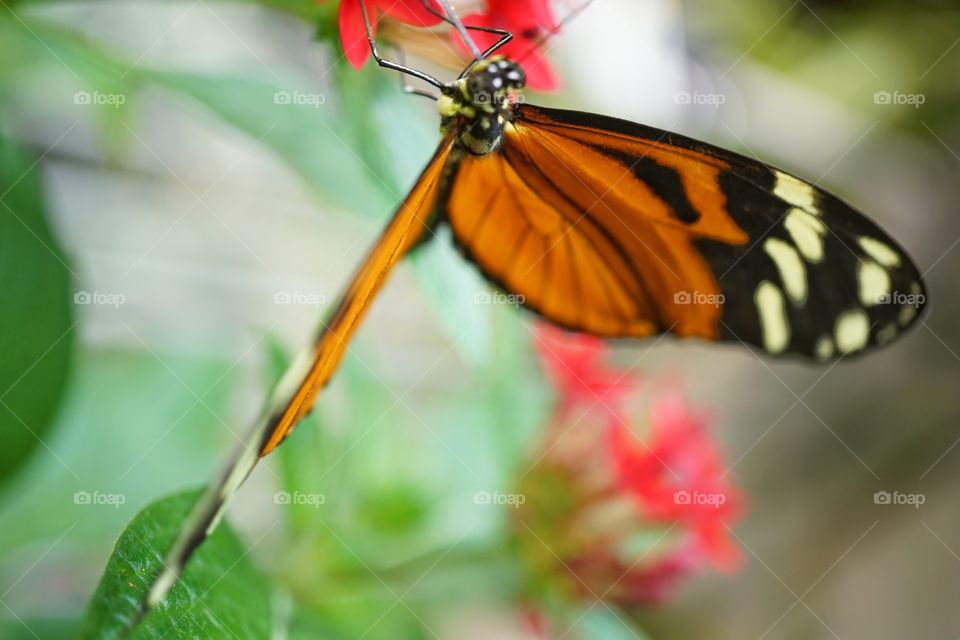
x=481, y=103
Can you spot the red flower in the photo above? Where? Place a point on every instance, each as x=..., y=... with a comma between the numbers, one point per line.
x=574, y=363
x=627, y=517
x=528, y=21
x=353, y=33
x=677, y=476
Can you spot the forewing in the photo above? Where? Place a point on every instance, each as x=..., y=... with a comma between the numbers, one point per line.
x=618, y=229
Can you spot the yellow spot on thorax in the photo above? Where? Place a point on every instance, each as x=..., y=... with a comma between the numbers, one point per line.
x=447, y=106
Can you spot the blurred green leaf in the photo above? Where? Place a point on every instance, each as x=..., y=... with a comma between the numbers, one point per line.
x=220, y=595
x=363, y=156
x=453, y=288
x=603, y=622
x=296, y=122
x=46, y=628
x=49, y=67
x=36, y=319
x=360, y=148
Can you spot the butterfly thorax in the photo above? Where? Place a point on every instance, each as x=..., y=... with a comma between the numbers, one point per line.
x=481, y=103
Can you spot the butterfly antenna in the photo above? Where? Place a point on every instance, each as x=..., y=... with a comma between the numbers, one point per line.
x=542, y=40
x=454, y=19
x=505, y=36
x=389, y=64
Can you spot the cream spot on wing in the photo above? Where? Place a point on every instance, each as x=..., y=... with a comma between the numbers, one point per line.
x=824, y=348
x=796, y=192
x=773, y=317
x=880, y=251
x=793, y=273
x=852, y=330
x=906, y=315
x=886, y=334
x=807, y=233
x=873, y=283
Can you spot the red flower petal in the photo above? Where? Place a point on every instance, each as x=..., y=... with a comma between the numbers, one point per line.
x=540, y=75
x=574, y=363
x=409, y=11
x=353, y=33
x=526, y=34
x=676, y=475
x=526, y=13
x=720, y=549
x=481, y=39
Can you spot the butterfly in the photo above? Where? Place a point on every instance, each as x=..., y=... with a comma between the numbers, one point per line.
x=612, y=228
x=622, y=230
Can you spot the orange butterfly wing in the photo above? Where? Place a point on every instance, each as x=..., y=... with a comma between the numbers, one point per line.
x=580, y=240
x=295, y=394
x=622, y=230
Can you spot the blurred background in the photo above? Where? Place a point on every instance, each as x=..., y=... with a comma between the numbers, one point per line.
x=187, y=185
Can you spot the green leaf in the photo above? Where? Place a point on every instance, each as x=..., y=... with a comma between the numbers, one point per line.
x=604, y=622
x=36, y=319
x=33, y=628
x=48, y=65
x=455, y=290
x=221, y=595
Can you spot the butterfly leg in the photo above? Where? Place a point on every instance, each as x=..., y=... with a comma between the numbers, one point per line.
x=389, y=64
x=406, y=86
